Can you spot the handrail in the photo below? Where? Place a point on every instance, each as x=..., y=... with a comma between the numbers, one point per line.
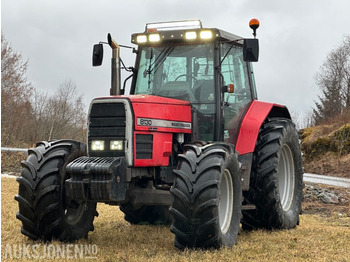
x=13, y=149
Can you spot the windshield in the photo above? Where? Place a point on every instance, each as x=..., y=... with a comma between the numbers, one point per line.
x=178, y=72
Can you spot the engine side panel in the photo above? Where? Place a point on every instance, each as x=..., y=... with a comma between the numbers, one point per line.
x=152, y=148
x=156, y=119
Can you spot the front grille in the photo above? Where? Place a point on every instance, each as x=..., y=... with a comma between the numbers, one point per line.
x=107, y=123
x=144, y=146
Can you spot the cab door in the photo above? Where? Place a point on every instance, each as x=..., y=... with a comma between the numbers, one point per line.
x=239, y=73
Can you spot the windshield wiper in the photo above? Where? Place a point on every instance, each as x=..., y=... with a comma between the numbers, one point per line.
x=153, y=66
x=159, y=60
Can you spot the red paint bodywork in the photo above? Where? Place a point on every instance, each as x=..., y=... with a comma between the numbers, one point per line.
x=250, y=126
x=155, y=107
x=162, y=149
x=168, y=109
x=160, y=108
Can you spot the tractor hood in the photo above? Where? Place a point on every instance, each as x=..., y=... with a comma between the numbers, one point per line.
x=157, y=114
x=156, y=99
x=140, y=128
x=154, y=113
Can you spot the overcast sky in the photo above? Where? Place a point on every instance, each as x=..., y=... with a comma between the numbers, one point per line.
x=57, y=36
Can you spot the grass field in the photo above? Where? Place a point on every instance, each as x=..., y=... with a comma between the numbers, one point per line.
x=316, y=239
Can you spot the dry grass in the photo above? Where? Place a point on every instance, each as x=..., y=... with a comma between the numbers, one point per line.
x=316, y=239
x=11, y=161
x=326, y=148
x=329, y=164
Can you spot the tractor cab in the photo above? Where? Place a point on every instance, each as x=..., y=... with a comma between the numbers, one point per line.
x=206, y=67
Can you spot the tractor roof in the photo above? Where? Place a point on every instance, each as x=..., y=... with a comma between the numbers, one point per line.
x=180, y=31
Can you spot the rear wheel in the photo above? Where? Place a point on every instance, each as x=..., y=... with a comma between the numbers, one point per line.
x=277, y=178
x=154, y=215
x=207, y=197
x=43, y=209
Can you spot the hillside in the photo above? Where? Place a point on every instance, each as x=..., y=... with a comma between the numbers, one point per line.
x=326, y=148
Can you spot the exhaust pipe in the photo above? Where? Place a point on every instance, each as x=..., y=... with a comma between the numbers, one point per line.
x=115, y=65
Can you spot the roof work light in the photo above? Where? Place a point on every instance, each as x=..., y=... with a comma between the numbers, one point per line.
x=180, y=31
x=154, y=37
x=206, y=34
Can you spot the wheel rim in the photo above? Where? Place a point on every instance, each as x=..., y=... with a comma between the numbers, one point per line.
x=286, y=177
x=226, y=201
x=74, y=215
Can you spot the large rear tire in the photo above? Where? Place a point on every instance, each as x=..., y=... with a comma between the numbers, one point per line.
x=276, y=181
x=207, y=197
x=41, y=198
x=153, y=215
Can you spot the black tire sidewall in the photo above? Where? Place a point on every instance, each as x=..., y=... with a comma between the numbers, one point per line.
x=264, y=181
x=153, y=215
x=232, y=165
x=196, y=191
x=290, y=218
x=41, y=200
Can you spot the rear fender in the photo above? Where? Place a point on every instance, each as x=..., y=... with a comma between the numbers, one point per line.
x=252, y=121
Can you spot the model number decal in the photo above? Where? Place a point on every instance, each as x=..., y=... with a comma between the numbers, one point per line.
x=144, y=122
x=163, y=123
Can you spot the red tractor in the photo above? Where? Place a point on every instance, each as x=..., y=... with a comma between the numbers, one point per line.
x=190, y=145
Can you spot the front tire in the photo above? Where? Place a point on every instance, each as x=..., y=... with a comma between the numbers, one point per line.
x=276, y=181
x=207, y=197
x=43, y=209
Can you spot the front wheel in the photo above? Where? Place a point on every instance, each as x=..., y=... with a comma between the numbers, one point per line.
x=207, y=197
x=43, y=208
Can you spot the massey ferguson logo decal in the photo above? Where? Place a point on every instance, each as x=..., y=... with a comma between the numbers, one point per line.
x=181, y=125
x=163, y=123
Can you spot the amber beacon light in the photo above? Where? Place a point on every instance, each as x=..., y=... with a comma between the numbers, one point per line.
x=254, y=24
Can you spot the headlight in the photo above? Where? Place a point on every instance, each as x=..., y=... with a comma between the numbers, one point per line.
x=116, y=145
x=97, y=145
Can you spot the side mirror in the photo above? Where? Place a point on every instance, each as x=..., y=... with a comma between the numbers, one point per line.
x=251, y=50
x=97, y=55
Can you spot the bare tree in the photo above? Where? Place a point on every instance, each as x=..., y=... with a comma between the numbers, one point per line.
x=346, y=80
x=39, y=104
x=61, y=115
x=28, y=115
x=334, y=81
x=68, y=118
x=16, y=91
